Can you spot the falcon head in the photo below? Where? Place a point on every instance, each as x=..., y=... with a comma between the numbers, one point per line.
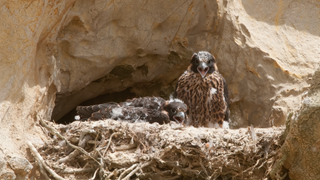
x=203, y=63
x=176, y=110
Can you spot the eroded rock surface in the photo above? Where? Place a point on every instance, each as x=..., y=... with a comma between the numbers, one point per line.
x=302, y=146
x=21, y=167
x=264, y=49
x=27, y=73
x=12, y=168
x=5, y=172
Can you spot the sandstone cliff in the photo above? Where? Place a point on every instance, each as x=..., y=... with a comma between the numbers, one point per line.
x=57, y=54
x=301, y=148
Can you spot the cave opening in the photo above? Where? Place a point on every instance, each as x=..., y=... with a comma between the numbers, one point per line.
x=108, y=97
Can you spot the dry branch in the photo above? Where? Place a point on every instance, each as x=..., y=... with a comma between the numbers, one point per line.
x=42, y=163
x=76, y=171
x=148, y=151
x=54, y=132
x=141, y=165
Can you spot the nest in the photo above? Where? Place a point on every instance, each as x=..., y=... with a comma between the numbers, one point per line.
x=110, y=149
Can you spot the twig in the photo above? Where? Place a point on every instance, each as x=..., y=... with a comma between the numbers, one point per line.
x=215, y=174
x=127, y=170
x=40, y=159
x=158, y=174
x=252, y=166
x=125, y=147
x=102, y=172
x=187, y=154
x=71, y=156
x=44, y=131
x=263, y=164
x=137, y=168
x=93, y=142
x=75, y=171
x=115, y=173
x=42, y=170
x=202, y=166
x=94, y=175
x=117, y=133
x=75, y=153
x=54, y=132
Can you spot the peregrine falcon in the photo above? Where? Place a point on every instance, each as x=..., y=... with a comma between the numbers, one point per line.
x=148, y=109
x=205, y=92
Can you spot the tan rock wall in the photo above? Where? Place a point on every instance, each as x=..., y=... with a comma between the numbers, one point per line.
x=26, y=75
x=266, y=50
x=270, y=51
x=302, y=145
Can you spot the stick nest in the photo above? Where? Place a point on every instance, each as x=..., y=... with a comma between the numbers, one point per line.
x=110, y=149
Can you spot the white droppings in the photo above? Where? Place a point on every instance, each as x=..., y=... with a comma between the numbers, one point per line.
x=306, y=101
x=77, y=117
x=225, y=125
x=189, y=120
x=116, y=112
x=224, y=99
x=128, y=103
x=213, y=91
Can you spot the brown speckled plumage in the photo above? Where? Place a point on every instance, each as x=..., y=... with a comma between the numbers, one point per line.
x=204, y=91
x=149, y=109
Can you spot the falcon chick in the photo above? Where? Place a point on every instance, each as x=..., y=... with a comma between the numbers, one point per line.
x=149, y=109
x=205, y=92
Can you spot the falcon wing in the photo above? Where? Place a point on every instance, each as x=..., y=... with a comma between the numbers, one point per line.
x=95, y=111
x=158, y=116
x=145, y=102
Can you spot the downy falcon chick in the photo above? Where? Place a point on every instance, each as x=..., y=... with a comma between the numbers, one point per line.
x=148, y=109
x=205, y=92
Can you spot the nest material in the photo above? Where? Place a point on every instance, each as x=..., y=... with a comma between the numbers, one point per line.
x=109, y=149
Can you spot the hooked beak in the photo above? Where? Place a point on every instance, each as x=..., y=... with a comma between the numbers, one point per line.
x=179, y=117
x=203, y=69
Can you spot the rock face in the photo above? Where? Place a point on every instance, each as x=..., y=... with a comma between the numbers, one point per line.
x=78, y=50
x=15, y=168
x=264, y=49
x=21, y=167
x=302, y=146
x=27, y=73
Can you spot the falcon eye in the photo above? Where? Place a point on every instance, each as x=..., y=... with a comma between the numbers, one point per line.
x=173, y=111
x=210, y=61
x=197, y=62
